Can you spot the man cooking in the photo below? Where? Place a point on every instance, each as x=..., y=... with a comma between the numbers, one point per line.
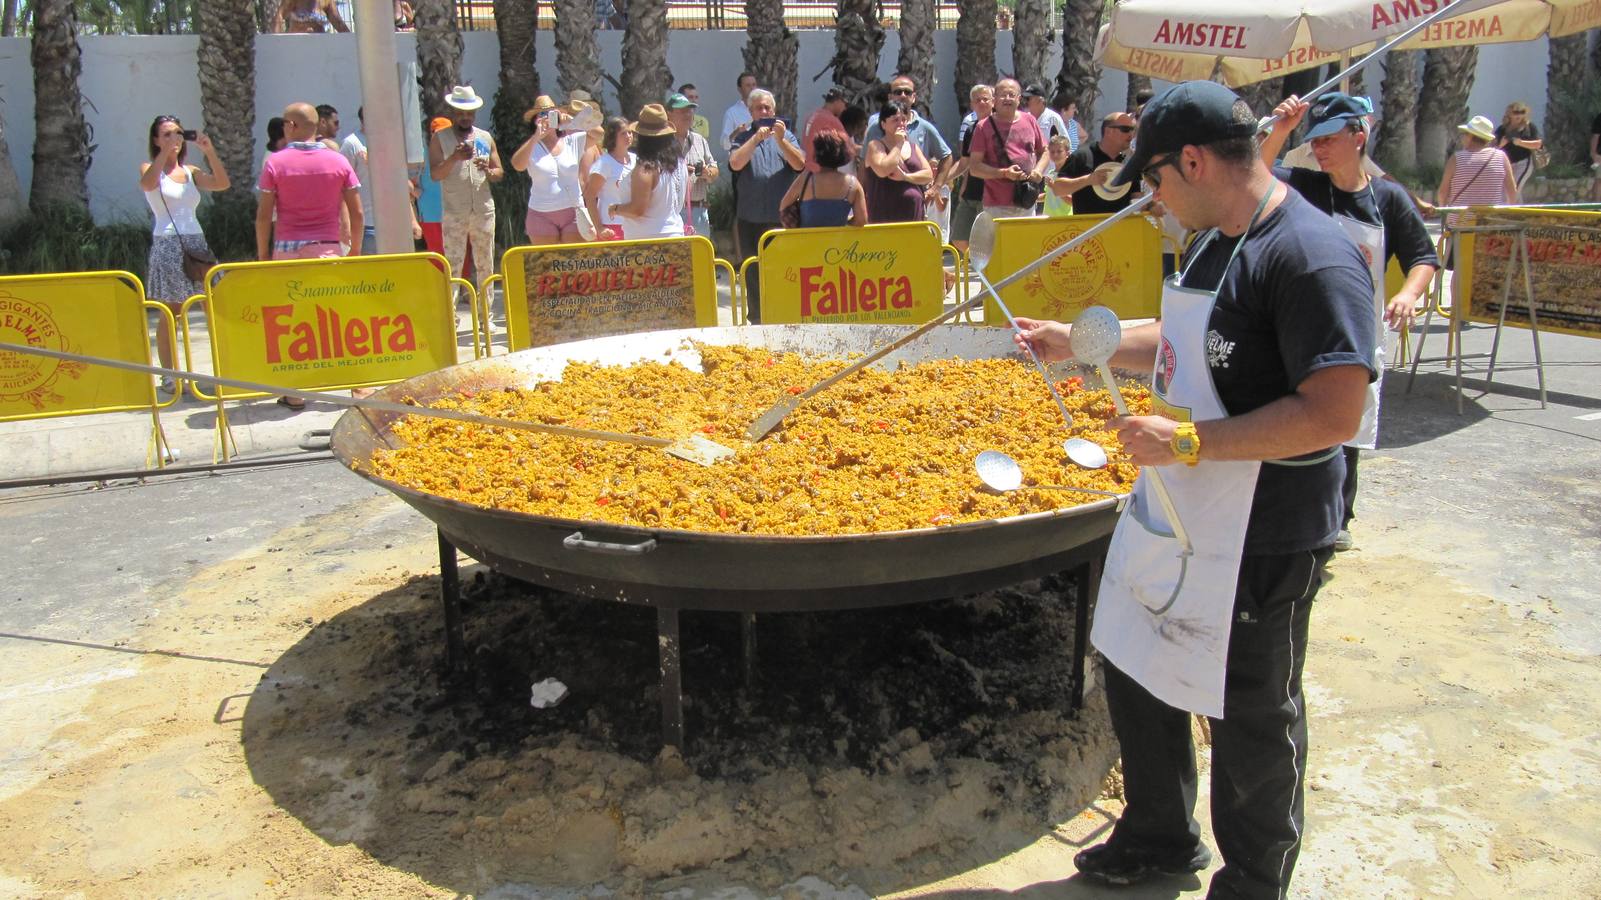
x=1263, y=356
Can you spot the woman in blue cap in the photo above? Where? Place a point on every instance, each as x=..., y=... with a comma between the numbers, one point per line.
x=1378, y=215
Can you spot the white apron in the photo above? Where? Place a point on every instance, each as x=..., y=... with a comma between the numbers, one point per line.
x=1161, y=620
x=1370, y=240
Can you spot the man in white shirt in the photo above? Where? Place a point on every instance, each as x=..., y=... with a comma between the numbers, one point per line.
x=354, y=149
x=738, y=115
x=1051, y=123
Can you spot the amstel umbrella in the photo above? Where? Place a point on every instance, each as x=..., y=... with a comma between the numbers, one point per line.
x=1252, y=40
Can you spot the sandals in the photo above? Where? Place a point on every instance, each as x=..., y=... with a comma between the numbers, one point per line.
x=294, y=403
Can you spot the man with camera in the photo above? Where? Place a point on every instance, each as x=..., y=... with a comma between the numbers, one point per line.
x=1008, y=152
x=697, y=156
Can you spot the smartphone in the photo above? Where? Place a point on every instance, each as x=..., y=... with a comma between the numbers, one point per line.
x=190, y=135
x=768, y=122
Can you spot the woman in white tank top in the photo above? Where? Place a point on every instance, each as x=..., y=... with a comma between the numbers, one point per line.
x=660, y=183
x=608, y=184
x=172, y=190
x=555, y=190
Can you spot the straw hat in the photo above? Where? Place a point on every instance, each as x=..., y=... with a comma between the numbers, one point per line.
x=653, y=122
x=463, y=97
x=1480, y=127
x=589, y=116
x=542, y=104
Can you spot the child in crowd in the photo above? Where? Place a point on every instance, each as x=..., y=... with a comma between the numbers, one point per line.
x=1058, y=149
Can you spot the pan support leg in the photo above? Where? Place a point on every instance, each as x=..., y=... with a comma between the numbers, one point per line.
x=450, y=594
x=672, y=676
x=747, y=645
x=1086, y=582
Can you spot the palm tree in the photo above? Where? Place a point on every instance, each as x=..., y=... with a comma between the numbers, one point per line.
x=577, y=52
x=1136, y=83
x=916, y=57
x=1080, y=76
x=1567, y=133
x=646, y=76
x=975, y=47
x=858, y=42
x=1443, y=101
x=770, y=51
x=227, y=64
x=1031, y=40
x=1262, y=95
x=516, y=25
x=61, y=136
x=8, y=19
x=12, y=204
x=1398, y=142
x=438, y=52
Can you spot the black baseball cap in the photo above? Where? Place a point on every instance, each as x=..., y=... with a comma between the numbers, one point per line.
x=834, y=93
x=1195, y=112
x=1033, y=90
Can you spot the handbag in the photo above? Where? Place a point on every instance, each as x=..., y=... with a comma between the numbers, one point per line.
x=790, y=216
x=196, y=263
x=1025, y=193
x=1542, y=158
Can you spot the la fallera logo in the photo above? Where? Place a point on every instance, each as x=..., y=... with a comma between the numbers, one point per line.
x=327, y=334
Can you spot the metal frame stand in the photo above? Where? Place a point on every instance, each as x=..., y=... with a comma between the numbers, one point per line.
x=1517, y=259
x=1084, y=573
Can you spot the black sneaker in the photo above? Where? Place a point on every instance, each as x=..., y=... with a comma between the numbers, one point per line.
x=1130, y=864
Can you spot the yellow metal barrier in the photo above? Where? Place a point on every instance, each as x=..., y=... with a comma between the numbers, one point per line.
x=566, y=292
x=735, y=296
x=1120, y=269
x=885, y=274
x=742, y=309
x=480, y=319
x=88, y=313
x=327, y=324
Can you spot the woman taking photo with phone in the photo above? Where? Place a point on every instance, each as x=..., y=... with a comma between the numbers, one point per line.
x=551, y=161
x=172, y=190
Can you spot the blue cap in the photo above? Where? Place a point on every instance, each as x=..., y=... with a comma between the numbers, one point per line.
x=1332, y=113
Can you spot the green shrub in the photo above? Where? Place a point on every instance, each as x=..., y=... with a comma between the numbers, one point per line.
x=66, y=239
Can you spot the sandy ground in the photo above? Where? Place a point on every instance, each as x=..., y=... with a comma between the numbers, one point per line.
x=1452, y=684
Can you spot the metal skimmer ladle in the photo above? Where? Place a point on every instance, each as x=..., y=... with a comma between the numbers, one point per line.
x=1095, y=337
x=979, y=249
x=1000, y=472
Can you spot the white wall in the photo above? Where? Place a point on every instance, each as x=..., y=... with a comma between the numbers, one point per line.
x=128, y=81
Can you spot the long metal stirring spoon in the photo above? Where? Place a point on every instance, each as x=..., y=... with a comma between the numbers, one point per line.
x=980, y=246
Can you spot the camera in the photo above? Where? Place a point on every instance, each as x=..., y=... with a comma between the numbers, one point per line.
x=190, y=135
x=697, y=169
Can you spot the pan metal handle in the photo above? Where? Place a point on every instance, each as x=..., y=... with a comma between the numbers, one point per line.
x=576, y=541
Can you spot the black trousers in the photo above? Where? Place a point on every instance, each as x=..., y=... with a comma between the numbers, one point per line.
x=1348, y=490
x=1258, y=747
x=750, y=234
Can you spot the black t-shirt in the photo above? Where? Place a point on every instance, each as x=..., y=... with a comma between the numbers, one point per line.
x=1406, y=238
x=973, y=187
x=1517, y=154
x=1297, y=299
x=1087, y=159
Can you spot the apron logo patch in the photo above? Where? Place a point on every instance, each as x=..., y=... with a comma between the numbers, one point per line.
x=1218, y=350
x=1166, y=366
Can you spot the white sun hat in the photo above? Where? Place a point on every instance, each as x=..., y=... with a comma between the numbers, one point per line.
x=462, y=96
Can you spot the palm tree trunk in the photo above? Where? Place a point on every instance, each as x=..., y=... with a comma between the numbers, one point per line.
x=8, y=19
x=1136, y=84
x=1262, y=95
x=858, y=42
x=227, y=64
x=770, y=51
x=516, y=25
x=1080, y=77
x=1567, y=132
x=646, y=76
x=438, y=52
x=61, y=136
x=577, y=52
x=975, y=47
x=1443, y=102
x=1031, y=40
x=916, y=58
x=1398, y=143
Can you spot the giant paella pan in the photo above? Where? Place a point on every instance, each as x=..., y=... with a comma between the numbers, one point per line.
x=889, y=546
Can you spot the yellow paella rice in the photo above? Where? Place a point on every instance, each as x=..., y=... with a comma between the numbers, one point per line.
x=882, y=451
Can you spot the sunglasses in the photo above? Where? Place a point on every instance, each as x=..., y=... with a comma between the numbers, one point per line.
x=1151, y=174
x=903, y=92
x=1126, y=129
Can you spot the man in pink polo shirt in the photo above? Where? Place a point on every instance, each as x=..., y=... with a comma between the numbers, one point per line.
x=305, y=183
